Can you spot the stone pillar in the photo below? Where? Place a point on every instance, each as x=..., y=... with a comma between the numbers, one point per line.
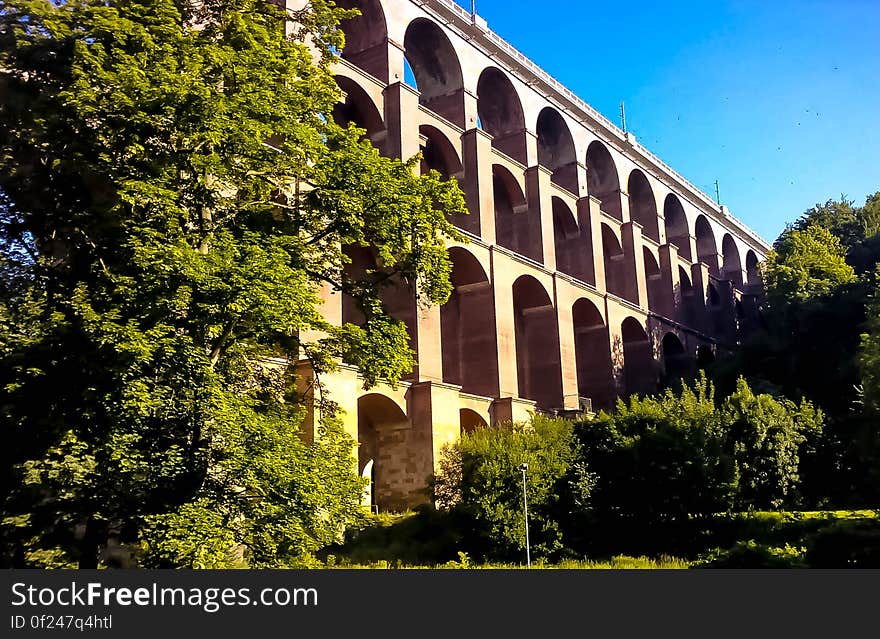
x=531, y=148
x=568, y=360
x=590, y=223
x=540, y=199
x=401, y=113
x=471, y=113
x=670, y=280
x=331, y=311
x=636, y=284
x=624, y=205
x=581, y=169
x=504, y=272
x=477, y=184
x=428, y=346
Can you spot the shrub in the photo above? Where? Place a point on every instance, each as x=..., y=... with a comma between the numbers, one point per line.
x=481, y=479
x=660, y=457
x=764, y=436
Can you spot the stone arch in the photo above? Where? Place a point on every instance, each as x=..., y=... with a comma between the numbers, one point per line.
x=366, y=37
x=572, y=257
x=467, y=328
x=658, y=297
x=439, y=154
x=397, y=297
x=753, y=271
x=516, y=227
x=592, y=349
x=556, y=149
x=676, y=225
x=385, y=446
x=538, y=365
x=359, y=109
x=676, y=363
x=436, y=68
x=707, y=249
x=603, y=182
x=616, y=275
x=643, y=205
x=639, y=374
x=501, y=114
x=732, y=264
x=470, y=420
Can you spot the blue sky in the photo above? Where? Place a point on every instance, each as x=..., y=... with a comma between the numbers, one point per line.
x=777, y=100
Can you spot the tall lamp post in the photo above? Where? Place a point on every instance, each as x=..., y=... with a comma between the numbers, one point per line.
x=524, y=468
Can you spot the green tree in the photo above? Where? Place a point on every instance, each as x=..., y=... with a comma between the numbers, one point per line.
x=660, y=458
x=839, y=217
x=481, y=480
x=765, y=437
x=869, y=356
x=172, y=199
x=805, y=264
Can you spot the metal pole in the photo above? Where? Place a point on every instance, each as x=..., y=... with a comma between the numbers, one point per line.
x=524, y=468
x=623, y=116
x=717, y=193
x=473, y=7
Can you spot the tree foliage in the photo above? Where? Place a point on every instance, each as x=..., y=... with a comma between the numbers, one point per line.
x=869, y=356
x=686, y=453
x=481, y=479
x=805, y=264
x=174, y=194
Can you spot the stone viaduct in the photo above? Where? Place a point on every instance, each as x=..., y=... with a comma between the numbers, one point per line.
x=592, y=269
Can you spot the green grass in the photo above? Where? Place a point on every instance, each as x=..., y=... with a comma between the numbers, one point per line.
x=621, y=562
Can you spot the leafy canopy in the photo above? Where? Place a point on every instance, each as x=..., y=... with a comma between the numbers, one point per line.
x=175, y=200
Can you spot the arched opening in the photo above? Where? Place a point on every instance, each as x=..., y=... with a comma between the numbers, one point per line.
x=467, y=328
x=396, y=296
x=705, y=357
x=516, y=228
x=439, y=154
x=707, y=249
x=658, y=297
x=366, y=37
x=556, y=149
x=360, y=110
x=471, y=420
x=639, y=374
x=501, y=113
x=436, y=69
x=602, y=181
x=676, y=364
x=642, y=205
x=538, y=365
x=592, y=349
x=385, y=438
x=753, y=271
x=618, y=281
x=571, y=254
x=686, y=302
x=676, y=226
x=733, y=269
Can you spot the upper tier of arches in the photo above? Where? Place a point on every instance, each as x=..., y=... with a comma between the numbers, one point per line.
x=467, y=89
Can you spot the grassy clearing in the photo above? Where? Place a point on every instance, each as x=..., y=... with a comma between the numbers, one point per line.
x=621, y=562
